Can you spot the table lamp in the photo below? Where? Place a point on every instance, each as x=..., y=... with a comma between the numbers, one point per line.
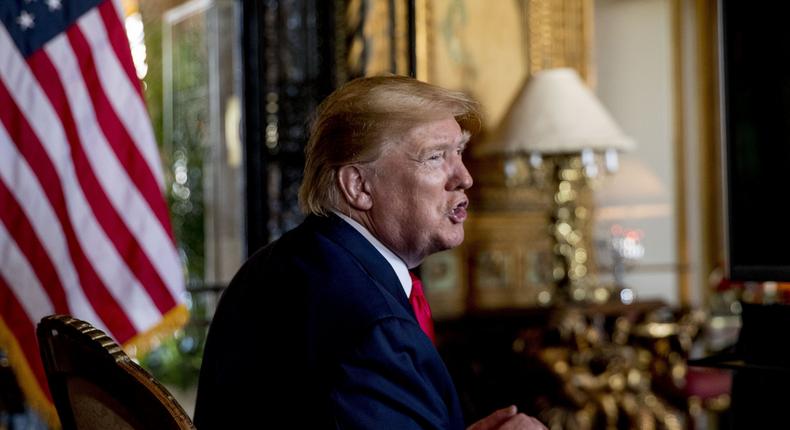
x=558, y=134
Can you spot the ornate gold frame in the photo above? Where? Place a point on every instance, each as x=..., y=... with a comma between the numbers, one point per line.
x=376, y=39
x=558, y=34
x=705, y=28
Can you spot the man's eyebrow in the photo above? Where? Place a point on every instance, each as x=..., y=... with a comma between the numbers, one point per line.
x=459, y=142
x=465, y=136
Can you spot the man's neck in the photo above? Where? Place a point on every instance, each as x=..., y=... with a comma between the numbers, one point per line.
x=398, y=265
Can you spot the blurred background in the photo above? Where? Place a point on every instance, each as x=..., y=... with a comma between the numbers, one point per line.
x=595, y=263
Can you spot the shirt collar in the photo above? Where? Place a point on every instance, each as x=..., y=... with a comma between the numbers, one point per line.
x=397, y=264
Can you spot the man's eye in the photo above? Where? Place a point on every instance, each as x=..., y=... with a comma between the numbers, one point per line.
x=435, y=157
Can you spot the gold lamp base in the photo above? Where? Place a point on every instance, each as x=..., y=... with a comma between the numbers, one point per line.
x=571, y=229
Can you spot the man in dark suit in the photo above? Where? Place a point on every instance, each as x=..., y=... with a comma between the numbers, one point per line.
x=326, y=327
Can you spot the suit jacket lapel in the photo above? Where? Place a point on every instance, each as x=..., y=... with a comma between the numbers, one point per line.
x=371, y=260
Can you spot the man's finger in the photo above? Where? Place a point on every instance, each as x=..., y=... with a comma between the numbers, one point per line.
x=495, y=420
x=504, y=413
x=522, y=422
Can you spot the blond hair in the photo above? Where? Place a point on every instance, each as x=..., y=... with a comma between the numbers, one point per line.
x=355, y=122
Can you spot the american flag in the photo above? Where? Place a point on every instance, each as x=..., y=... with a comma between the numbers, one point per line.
x=84, y=228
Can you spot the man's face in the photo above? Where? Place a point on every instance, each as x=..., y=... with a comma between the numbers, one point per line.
x=418, y=189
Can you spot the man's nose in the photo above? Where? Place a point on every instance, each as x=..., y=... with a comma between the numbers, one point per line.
x=461, y=178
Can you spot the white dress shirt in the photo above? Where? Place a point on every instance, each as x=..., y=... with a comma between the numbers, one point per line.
x=397, y=264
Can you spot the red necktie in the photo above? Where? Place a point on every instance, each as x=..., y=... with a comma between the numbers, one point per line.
x=421, y=309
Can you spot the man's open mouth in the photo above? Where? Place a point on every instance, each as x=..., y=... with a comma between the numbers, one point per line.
x=458, y=213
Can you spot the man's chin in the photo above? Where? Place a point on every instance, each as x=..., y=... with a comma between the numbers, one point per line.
x=453, y=241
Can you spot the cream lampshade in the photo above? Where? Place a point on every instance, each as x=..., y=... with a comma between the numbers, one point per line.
x=556, y=113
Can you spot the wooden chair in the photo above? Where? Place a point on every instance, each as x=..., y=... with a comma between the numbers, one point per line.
x=95, y=385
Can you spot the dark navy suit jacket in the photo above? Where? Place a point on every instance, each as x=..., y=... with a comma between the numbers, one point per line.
x=316, y=331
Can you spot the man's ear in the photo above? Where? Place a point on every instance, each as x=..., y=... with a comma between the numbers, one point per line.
x=355, y=189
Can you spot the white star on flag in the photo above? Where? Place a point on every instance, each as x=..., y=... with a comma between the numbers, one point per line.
x=53, y=4
x=25, y=20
